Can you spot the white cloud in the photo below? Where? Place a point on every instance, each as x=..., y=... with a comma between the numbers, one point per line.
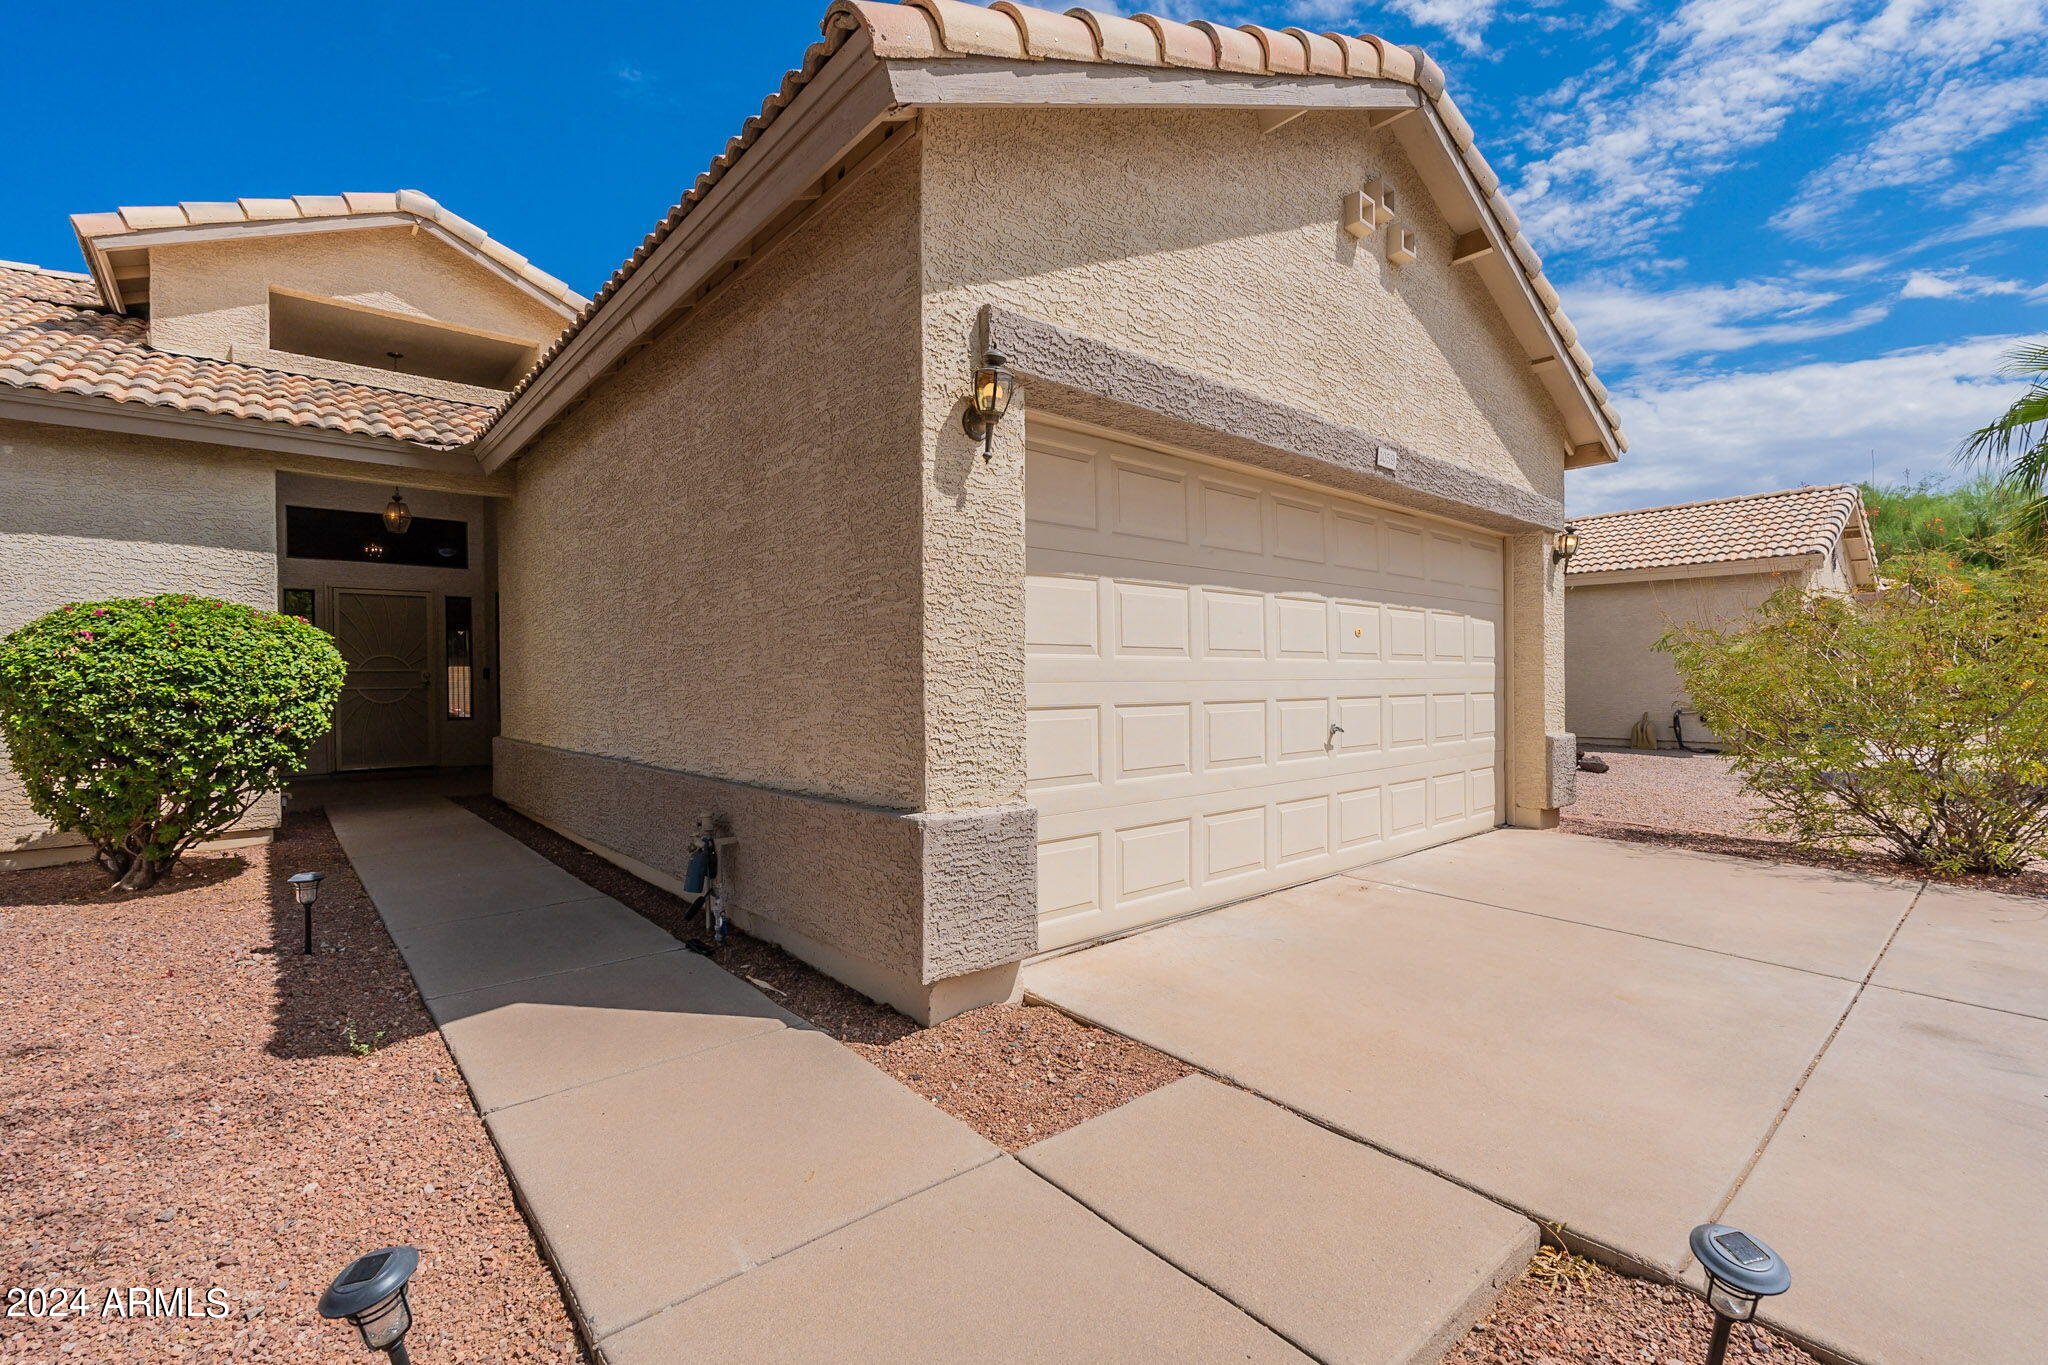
x=1748, y=431
x=1959, y=284
x=1464, y=21
x=1918, y=149
x=1625, y=152
x=1627, y=325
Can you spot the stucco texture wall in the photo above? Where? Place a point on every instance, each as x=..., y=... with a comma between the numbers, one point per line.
x=712, y=567
x=1613, y=673
x=1196, y=239
x=91, y=515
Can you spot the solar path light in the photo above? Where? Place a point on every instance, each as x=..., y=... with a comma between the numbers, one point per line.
x=306, y=886
x=370, y=1293
x=1741, y=1273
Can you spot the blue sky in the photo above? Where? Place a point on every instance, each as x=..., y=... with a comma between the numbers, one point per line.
x=1796, y=234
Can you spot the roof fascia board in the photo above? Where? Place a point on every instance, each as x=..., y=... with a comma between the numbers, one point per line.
x=1719, y=568
x=106, y=414
x=838, y=108
x=144, y=238
x=970, y=82
x=1428, y=137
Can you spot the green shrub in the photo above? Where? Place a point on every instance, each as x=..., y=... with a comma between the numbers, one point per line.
x=1967, y=524
x=151, y=724
x=1919, y=721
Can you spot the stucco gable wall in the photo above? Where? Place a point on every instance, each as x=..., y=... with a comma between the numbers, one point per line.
x=206, y=297
x=1613, y=671
x=1194, y=238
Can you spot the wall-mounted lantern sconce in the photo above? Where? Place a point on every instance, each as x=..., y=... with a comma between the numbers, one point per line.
x=993, y=386
x=1566, y=546
x=397, y=516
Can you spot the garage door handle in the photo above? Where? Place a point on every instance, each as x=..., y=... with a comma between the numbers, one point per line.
x=1336, y=729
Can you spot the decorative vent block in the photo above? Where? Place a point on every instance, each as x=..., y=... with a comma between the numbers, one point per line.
x=1402, y=244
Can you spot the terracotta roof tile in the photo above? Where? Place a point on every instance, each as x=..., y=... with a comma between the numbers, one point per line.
x=55, y=335
x=928, y=29
x=101, y=228
x=1795, y=521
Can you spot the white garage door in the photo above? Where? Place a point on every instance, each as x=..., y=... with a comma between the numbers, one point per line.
x=1238, y=683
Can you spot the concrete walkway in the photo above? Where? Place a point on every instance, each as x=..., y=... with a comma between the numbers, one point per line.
x=715, y=1181
x=1633, y=1040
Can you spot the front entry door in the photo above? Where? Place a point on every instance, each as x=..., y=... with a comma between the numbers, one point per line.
x=385, y=716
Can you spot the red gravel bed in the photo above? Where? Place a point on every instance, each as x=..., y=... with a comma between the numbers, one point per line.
x=1013, y=1073
x=1607, y=1319
x=180, y=1107
x=1680, y=800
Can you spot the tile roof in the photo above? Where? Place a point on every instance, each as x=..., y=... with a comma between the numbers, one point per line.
x=1794, y=521
x=103, y=228
x=931, y=29
x=55, y=335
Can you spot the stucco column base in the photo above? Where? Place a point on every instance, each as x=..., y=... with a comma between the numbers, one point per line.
x=927, y=911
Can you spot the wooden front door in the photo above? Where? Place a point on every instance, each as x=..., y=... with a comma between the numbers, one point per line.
x=385, y=716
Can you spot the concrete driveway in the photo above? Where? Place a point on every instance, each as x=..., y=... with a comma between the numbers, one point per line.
x=1633, y=1040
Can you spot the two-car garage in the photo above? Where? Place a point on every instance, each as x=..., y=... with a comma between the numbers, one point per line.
x=1237, y=682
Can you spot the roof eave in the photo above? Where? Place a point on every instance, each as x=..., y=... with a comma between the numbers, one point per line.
x=1711, y=568
x=101, y=413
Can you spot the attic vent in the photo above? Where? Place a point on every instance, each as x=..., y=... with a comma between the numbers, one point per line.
x=379, y=339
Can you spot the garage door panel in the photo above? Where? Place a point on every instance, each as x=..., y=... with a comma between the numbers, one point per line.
x=1236, y=684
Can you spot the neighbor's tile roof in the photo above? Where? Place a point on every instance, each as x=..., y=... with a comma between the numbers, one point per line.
x=929, y=29
x=1796, y=521
x=101, y=228
x=56, y=335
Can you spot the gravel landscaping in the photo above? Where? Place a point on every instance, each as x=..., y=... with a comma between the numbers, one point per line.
x=1686, y=800
x=187, y=1102
x=1589, y=1315
x=1013, y=1073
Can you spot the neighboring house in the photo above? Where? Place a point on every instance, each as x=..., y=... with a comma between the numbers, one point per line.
x=1254, y=583
x=1637, y=574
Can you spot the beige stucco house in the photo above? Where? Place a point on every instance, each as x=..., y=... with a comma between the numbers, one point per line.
x=1637, y=574
x=1252, y=583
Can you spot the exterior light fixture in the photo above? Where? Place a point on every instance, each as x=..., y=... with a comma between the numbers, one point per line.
x=370, y=1293
x=1741, y=1272
x=1566, y=545
x=993, y=386
x=397, y=516
x=306, y=886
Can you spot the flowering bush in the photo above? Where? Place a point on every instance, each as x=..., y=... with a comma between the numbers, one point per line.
x=1919, y=720
x=151, y=724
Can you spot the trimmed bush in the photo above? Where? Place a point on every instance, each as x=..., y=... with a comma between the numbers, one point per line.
x=1919, y=721
x=151, y=724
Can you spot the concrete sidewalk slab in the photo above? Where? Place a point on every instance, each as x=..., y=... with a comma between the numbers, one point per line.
x=456, y=879
x=1349, y=1253
x=1908, y=1187
x=470, y=954
x=652, y=1186
x=1811, y=918
x=993, y=1265
x=1616, y=1083
x=1979, y=947
x=532, y=1038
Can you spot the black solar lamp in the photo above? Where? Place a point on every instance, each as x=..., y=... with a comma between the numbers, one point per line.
x=306, y=886
x=370, y=1293
x=1741, y=1273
